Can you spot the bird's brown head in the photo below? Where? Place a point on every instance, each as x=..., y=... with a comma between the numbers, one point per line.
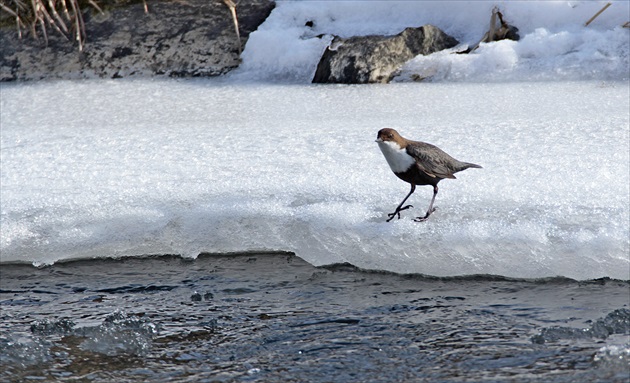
x=389, y=134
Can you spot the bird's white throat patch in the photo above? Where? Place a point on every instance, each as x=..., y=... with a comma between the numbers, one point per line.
x=397, y=158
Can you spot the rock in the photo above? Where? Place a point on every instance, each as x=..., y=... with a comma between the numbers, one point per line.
x=375, y=59
x=175, y=38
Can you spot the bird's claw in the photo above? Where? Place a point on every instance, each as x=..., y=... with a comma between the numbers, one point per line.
x=397, y=212
x=422, y=219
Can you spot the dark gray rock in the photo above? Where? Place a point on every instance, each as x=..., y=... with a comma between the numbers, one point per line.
x=375, y=59
x=175, y=38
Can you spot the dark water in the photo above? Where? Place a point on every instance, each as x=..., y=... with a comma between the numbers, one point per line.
x=275, y=318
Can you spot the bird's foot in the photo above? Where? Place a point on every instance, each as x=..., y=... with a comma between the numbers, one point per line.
x=397, y=212
x=422, y=219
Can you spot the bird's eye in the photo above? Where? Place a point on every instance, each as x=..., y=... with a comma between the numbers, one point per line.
x=390, y=135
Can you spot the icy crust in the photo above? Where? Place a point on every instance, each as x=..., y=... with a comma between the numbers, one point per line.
x=136, y=168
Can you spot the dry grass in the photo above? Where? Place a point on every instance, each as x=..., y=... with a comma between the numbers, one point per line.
x=65, y=17
x=37, y=16
x=232, y=7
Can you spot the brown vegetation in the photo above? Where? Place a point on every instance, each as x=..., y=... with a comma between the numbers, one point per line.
x=65, y=16
x=37, y=16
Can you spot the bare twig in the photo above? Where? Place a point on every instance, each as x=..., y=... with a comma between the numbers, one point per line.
x=18, y=20
x=92, y=3
x=59, y=20
x=8, y=10
x=64, y=7
x=43, y=27
x=78, y=24
x=58, y=26
x=493, y=24
x=597, y=14
x=497, y=31
x=232, y=6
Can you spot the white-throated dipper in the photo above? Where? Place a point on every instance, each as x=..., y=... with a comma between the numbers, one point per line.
x=418, y=163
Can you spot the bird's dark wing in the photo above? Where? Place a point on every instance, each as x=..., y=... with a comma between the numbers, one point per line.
x=432, y=160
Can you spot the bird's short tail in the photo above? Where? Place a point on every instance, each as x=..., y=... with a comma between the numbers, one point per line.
x=471, y=165
x=466, y=165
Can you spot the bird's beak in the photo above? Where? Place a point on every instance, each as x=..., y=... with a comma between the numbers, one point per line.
x=378, y=140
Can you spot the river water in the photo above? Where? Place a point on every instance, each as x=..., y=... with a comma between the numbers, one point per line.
x=276, y=318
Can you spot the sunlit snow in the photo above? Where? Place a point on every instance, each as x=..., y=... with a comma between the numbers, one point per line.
x=133, y=167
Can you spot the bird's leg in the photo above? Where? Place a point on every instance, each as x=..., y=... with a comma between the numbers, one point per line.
x=431, y=208
x=400, y=207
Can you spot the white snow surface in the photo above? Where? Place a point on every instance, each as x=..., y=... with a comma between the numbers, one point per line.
x=126, y=168
x=262, y=160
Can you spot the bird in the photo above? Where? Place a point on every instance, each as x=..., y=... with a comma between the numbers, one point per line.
x=418, y=163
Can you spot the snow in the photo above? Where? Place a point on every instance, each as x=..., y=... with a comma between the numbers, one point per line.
x=262, y=160
x=554, y=45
